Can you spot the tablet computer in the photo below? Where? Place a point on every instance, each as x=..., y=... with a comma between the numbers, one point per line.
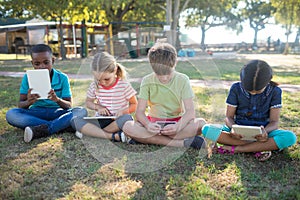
x=39, y=81
x=248, y=132
x=101, y=117
x=165, y=123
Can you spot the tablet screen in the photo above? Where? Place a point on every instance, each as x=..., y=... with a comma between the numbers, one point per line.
x=248, y=132
x=39, y=81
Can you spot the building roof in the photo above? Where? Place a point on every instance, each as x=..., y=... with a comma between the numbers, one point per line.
x=11, y=21
x=10, y=24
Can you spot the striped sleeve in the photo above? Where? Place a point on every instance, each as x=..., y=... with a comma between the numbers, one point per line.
x=91, y=91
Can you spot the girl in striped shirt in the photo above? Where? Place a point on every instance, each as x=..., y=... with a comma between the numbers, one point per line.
x=109, y=95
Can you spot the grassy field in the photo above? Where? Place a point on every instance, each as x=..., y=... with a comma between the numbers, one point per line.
x=64, y=167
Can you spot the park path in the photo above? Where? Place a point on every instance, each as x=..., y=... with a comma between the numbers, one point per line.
x=199, y=83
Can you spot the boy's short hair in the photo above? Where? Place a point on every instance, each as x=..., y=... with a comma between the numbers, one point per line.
x=39, y=48
x=162, y=57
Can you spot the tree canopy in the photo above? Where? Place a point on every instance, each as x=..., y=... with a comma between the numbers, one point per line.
x=287, y=14
x=199, y=13
x=258, y=13
x=208, y=14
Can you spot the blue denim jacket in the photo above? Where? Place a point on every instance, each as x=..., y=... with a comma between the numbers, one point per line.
x=253, y=110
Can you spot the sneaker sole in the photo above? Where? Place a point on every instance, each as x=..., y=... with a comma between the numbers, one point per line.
x=124, y=138
x=78, y=135
x=28, y=134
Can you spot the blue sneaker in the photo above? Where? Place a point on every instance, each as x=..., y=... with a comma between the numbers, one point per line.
x=196, y=142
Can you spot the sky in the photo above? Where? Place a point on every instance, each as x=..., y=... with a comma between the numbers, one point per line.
x=219, y=35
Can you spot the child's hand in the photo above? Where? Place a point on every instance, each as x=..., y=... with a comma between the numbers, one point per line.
x=119, y=113
x=169, y=129
x=32, y=98
x=235, y=135
x=262, y=137
x=52, y=96
x=103, y=111
x=153, y=128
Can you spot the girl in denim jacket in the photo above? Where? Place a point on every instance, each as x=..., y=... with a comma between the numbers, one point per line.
x=254, y=101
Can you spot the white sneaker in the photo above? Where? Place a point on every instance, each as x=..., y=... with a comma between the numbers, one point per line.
x=28, y=134
x=78, y=134
x=124, y=138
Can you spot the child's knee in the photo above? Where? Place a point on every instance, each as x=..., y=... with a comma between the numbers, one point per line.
x=201, y=122
x=79, y=112
x=212, y=131
x=286, y=139
x=123, y=119
x=77, y=123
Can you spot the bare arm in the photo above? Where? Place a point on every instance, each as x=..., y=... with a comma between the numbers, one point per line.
x=131, y=109
x=188, y=115
x=142, y=118
x=28, y=99
x=274, y=120
x=230, y=113
x=91, y=104
x=132, y=105
x=64, y=103
x=272, y=125
x=140, y=112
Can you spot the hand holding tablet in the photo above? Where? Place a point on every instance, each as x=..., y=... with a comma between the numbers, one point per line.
x=165, y=123
x=247, y=132
x=39, y=81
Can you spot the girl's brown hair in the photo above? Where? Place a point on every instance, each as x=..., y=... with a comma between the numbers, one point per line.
x=104, y=62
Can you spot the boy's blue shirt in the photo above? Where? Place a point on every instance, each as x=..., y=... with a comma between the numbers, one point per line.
x=60, y=84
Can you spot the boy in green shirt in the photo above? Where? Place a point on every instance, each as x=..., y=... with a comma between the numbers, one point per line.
x=168, y=96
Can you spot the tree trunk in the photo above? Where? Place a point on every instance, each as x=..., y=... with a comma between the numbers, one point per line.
x=61, y=35
x=203, y=47
x=254, y=45
x=297, y=38
x=288, y=32
x=286, y=48
x=169, y=20
x=175, y=22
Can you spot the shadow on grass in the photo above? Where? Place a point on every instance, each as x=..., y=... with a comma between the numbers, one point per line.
x=160, y=184
x=62, y=166
x=49, y=165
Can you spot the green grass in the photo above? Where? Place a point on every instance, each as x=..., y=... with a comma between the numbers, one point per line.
x=64, y=167
x=206, y=68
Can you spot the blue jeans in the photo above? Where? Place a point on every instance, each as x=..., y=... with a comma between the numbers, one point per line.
x=57, y=119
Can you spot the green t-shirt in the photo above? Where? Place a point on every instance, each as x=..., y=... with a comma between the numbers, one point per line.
x=166, y=100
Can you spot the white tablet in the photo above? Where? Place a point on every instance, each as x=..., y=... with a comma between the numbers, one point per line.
x=101, y=117
x=248, y=132
x=39, y=81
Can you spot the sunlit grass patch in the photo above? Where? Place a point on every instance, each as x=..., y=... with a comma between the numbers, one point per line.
x=290, y=113
x=210, y=104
